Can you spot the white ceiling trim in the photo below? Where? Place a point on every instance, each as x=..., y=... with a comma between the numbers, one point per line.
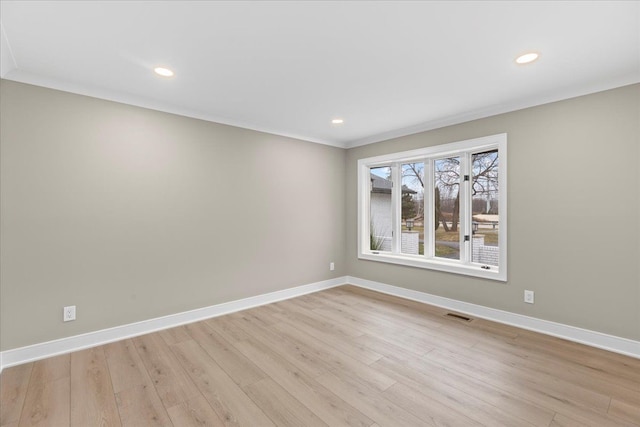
x=542, y=99
x=21, y=76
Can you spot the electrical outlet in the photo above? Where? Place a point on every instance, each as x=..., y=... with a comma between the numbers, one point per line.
x=528, y=297
x=332, y=266
x=69, y=313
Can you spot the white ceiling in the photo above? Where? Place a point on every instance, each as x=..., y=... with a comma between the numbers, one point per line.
x=386, y=68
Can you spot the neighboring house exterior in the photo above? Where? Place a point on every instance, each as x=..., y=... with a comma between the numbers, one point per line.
x=380, y=205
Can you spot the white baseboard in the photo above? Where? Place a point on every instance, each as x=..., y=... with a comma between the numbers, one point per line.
x=79, y=342
x=584, y=336
x=34, y=352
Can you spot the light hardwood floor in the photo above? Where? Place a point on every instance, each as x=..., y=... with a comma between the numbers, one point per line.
x=345, y=356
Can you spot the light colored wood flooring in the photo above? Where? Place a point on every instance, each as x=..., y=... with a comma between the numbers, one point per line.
x=345, y=356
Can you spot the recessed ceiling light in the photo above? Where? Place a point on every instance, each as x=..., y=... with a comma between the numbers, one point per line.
x=337, y=121
x=164, y=72
x=527, y=58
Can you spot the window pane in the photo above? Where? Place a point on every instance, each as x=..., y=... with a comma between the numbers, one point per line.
x=412, y=208
x=380, y=213
x=447, y=207
x=484, y=204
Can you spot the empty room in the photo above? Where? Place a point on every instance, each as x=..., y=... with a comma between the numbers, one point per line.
x=320, y=213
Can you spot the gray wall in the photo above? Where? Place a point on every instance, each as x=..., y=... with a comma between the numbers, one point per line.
x=574, y=229
x=132, y=214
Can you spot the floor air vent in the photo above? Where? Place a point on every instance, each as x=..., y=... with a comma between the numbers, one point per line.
x=459, y=316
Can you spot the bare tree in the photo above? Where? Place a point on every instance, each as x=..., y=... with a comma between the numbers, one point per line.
x=412, y=177
x=485, y=177
x=447, y=179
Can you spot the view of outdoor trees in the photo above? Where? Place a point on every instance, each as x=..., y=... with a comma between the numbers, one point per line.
x=484, y=198
x=447, y=206
x=484, y=204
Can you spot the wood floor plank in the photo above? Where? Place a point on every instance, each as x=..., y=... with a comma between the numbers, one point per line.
x=92, y=398
x=280, y=406
x=52, y=368
x=386, y=348
x=125, y=367
x=400, y=303
x=47, y=404
x=536, y=381
x=410, y=340
x=485, y=405
x=175, y=335
x=226, y=398
x=429, y=410
x=306, y=302
x=239, y=368
x=48, y=395
x=141, y=406
x=253, y=317
x=228, y=329
x=420, y=334
x=625, y=411
x=408, y=315
x=264, y=314
x=525, y=388
x=346, y=346
x=615, y=364
x=421, y=318
x=136, y=397
x=365, y=322
x=578, y=419
x=369, y=401
x=336, y=361
x=298, y=313
x=272, y=309
x=13, y=389
x=622, y=388
x=324, y=404
x=496, y=329
x=314, y=356
x=563, y=421
x=170, y=380
x=346, y=356
x=195, y=412
x=299, y=354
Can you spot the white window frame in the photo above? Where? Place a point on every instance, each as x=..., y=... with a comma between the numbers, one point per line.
x=464, y=149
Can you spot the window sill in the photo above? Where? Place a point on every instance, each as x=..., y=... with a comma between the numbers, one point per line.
x=474, y=270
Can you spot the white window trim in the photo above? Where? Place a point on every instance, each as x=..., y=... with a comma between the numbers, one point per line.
x=427, y=261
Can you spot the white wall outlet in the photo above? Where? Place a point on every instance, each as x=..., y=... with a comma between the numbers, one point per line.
x=69, y=313
x=528, y=297
x=332, y=266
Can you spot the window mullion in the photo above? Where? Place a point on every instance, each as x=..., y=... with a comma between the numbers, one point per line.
x=396, y=203
x=364, y=208
x=429, y=209
x=465, y=208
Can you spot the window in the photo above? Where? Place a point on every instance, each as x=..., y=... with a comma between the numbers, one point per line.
x=441, y=207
